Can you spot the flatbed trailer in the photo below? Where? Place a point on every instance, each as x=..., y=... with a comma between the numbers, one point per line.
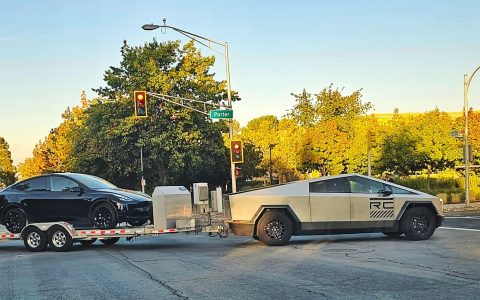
x=60, y=236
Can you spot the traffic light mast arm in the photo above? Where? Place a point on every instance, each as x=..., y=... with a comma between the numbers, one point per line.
x=186, y=99
x=166, y=98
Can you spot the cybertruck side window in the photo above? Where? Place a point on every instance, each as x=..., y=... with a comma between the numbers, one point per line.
x=396, y=190
x=337, y=185
x=365, y=186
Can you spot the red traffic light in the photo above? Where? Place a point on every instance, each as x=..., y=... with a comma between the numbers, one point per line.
x=238, y=172
x=236, y=152
x=140, y=101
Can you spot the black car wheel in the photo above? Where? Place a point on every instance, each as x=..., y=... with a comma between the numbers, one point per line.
x=87, y=242
x=15, y=220
x=104, y=216
x=137, y=223
x=110, y=241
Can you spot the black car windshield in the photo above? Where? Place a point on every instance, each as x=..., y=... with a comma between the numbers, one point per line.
x=93, y=182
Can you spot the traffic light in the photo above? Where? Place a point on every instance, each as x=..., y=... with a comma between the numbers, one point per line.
x=236, y=152
x=140, y=99
x=238, y=172
x=371, y=139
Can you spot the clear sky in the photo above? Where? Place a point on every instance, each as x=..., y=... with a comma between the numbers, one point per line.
x=406, y=54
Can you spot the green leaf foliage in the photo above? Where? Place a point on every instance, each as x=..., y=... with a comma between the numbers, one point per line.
x=180, y=146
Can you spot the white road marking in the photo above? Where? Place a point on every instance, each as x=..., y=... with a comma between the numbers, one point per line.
x=464, y=229
x=472, y=217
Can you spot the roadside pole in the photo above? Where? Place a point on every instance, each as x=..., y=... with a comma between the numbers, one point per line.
x=141, y=170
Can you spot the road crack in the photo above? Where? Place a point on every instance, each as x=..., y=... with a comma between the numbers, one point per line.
x=126, y=259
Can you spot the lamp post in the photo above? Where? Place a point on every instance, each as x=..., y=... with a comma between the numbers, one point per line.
x=198, y=39
x=271, y=146
x=466, y=84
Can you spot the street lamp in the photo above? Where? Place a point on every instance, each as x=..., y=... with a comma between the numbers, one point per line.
x=197, y=38
x=271, y=146
x=466, y=84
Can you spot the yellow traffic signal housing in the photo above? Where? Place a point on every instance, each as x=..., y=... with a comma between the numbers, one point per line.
x=236, y=152
x=140, y=102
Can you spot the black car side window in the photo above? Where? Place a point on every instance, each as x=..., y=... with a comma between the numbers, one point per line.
x=62, y=184
x=32, y=185
x=337, y=185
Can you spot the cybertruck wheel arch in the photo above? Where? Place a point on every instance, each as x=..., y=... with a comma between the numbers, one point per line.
x=410, y=204
x=285, y=208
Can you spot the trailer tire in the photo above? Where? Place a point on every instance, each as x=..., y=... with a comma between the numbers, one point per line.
x=34, y=239
x=59, y=239
x=274, y=228
x=110, y=241
x=87, y=243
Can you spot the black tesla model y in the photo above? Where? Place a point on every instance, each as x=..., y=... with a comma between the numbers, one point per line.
x=80, y=199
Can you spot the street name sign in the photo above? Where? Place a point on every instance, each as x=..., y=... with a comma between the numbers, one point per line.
x=221, y=114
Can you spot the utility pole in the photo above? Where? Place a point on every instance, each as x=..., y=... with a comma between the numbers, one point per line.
x=141, y=170
x=371, y=142
x=466, y=84
x=271, y=146
x=201, y=40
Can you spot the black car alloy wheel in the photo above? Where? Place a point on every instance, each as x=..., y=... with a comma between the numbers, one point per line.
x=15, y=220
x=104, y=216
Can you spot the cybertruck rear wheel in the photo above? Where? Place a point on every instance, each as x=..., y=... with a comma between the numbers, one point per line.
x=274, y=228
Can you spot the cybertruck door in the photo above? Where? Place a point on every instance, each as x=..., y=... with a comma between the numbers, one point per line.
x=329, y=204
x=372, y=203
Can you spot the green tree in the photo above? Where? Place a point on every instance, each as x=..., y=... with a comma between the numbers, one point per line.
x=7, y=170
x=179, y=146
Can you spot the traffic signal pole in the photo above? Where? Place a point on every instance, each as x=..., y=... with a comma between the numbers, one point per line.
x=197, y=38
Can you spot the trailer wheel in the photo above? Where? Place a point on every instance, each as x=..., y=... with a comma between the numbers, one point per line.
x=87, y=242
x=110, y=241
x=34, y=239
x=59, y=239
x=274, y=228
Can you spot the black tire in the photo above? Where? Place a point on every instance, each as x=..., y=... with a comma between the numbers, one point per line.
x=59, y=239
x=418, y=223
x=34, y=239
x=274, y=228
x=87, y=243
x=393, y=234
x=104, y=216
x=15, y=220
x=110, y=241
x=137, y=223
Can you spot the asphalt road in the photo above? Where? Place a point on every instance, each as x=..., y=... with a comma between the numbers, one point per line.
x=364, y=266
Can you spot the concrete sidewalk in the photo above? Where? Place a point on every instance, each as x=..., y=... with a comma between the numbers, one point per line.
x=455, y=209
